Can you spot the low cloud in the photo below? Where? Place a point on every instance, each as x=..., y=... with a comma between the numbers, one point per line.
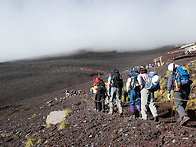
x=32, y=28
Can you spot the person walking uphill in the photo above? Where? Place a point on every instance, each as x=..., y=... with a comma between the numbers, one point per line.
x=116, y=84
x=182, y=84
x=100, y=93
x=133, y=90
x=148, y=84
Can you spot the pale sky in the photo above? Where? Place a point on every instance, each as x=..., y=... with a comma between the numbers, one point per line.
x=33, y=28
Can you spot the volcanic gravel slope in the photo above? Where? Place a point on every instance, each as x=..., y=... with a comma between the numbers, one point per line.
x=25, y=120
x=90, y=128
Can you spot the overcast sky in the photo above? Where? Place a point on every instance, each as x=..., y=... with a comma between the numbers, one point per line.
x=32, y=28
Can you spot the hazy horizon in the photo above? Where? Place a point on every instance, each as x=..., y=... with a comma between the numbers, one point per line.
x=34, y=28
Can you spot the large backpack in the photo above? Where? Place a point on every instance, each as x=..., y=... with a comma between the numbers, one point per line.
x=152, y=82
x=116, y=79
x=97, y=81
x=133, y=72
x=182, y=75
x=100, y=85
x=133, y=75
x=134, y=83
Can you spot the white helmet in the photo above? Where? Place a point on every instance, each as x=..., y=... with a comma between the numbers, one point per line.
x=155, y=79
x=171, y=66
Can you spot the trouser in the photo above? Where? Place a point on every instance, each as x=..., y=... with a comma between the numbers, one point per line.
x=135, y=101
x=125, y=97
x=115, y=98
x=172, y=93
x=147, y=99
x=99, y=102
x=181, y=98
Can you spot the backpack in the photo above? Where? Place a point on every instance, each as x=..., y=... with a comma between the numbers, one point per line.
x=116, y=79
x=101, y=89
x=133, y=72
x=152, y=83
x=134, y=82
x=133, y=75
x=182, y=75
x=99, y=83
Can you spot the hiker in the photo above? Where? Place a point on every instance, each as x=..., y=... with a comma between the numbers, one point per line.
x=182, y=84
x=100, y=94
x=116, y=84
x=148, y=84
x=133, y=89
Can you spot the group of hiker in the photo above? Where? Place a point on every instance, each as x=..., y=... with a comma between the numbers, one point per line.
x=140, y=87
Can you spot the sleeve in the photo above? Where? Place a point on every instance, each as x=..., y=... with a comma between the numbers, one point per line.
x=139, y=80
x=169, y=83
x=109, y=84
x=128, y=84
x=109, y=79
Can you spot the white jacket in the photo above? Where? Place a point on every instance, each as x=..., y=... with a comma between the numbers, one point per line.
x=128, y=84
x=142, y=78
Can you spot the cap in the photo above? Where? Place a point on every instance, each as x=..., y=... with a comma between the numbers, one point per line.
x=172, y=66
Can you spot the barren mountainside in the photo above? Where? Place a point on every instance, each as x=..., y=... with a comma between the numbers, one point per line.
x=31, y=89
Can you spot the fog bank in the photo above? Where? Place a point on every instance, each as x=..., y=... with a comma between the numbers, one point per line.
x=32, y=28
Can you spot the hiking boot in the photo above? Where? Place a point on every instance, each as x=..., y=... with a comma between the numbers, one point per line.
x=156, y=119
x=184, y=120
